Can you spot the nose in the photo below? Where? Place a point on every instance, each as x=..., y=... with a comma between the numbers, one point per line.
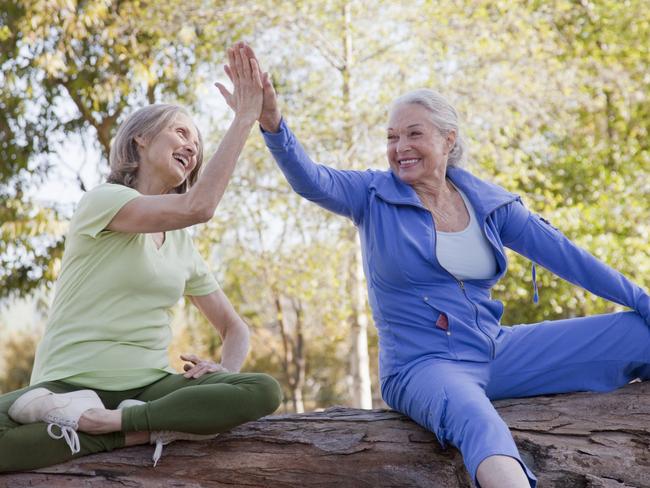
x=402, y=145
x=191, y=149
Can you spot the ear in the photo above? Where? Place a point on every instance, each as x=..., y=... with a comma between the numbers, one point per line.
x=140, y=141
x=450, y=140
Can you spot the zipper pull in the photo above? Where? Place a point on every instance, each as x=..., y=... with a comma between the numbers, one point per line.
x=461, y=284
x=535, y=290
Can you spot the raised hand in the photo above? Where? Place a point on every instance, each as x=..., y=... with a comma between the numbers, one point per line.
x=270, y=116
x=244, y=72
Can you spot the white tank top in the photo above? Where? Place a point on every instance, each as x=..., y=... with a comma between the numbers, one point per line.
x=466, y=254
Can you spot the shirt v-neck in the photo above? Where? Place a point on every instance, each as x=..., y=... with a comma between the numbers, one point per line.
x=155, y=244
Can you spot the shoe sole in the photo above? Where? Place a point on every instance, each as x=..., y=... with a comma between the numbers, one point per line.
x=23, y=402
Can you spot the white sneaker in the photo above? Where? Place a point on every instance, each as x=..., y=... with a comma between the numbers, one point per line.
x=163, y=437
x=60, y=409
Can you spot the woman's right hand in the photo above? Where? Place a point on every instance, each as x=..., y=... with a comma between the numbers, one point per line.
x=244, y=72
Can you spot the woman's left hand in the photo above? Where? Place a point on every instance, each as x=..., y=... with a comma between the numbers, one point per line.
x=196, y=367
x=248, y=90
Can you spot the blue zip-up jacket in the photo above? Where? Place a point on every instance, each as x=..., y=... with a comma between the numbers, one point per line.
x=419, y=308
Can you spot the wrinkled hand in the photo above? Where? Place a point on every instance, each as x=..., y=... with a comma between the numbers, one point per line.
x=244, y=72
x=196, y=367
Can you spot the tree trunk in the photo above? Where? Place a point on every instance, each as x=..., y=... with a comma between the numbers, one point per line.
x=289, y=365
x=360, y=389
x=580, y=440
x=299, y=359
x=359, y=372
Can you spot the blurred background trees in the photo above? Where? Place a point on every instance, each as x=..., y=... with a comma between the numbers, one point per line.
x=555, y=98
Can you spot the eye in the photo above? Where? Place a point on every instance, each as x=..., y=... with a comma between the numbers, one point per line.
x=182, y=133
x=415, y=133
x=391, y=137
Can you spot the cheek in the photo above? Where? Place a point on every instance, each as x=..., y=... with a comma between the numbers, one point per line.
x=390, y=152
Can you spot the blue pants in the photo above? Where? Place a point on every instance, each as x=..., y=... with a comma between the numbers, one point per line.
x=452, y=398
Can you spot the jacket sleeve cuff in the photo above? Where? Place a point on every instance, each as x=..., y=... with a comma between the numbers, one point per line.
x=279, y=139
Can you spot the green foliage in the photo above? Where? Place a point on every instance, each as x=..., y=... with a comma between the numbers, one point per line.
x=76, y=68
x=554, y=95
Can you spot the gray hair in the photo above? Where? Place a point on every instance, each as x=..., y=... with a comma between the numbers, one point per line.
x=124, y=158
x=443, y=116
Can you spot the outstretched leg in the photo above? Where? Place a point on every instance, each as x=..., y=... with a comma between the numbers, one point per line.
x=597, y=353
x=449, y=399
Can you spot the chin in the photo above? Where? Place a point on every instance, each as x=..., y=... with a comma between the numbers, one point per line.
x=408, y=178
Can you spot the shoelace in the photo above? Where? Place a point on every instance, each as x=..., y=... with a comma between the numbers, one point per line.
x=157, y=453
x=155, y=437
x=163, y=437
x=69, y=434
x=159, y=438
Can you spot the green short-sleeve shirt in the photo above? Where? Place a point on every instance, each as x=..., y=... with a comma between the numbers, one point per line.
x=109, y=324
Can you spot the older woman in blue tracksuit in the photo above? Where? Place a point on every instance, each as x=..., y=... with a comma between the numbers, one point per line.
x=433, y=238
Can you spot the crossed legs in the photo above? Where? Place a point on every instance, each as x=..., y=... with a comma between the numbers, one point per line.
x=211, y=404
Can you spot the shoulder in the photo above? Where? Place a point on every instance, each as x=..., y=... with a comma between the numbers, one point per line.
x=99, y=205
x=488, y=195
x=106, y=192
x=386, y=184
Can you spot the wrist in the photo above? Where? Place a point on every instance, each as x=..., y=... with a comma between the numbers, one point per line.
x=244, y=121
x=271, y=123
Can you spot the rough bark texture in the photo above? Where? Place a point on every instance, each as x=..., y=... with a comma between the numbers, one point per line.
x=583, y=440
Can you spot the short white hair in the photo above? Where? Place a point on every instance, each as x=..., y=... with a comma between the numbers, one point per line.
x=443, y=116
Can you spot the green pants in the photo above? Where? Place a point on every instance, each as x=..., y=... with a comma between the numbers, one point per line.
x=211, y=404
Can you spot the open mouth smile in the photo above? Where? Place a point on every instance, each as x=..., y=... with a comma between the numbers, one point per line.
x=407, y=163
x=183, y=160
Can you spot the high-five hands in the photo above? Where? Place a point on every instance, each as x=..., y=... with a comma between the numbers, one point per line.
x=244, y=72
x=270, y=115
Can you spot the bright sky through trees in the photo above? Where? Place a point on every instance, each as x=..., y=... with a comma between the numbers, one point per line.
x=555, y=96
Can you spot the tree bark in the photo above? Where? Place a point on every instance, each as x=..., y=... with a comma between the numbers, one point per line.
x=579, y=440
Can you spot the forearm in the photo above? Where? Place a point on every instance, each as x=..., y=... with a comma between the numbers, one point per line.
x=339, y=191
x=206, y=194
x=235, y=346
x=547, y=246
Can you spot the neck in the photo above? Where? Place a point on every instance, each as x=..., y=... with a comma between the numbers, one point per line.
x=433, y=192
x=148, y=185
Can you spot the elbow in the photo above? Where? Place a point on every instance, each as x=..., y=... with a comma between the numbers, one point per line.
x=199, y=212
x=203, y=215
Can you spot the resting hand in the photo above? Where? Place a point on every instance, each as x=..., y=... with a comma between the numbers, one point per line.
x=195, y=368
x=244, y=72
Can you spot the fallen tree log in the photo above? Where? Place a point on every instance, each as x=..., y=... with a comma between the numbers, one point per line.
x=579, y=440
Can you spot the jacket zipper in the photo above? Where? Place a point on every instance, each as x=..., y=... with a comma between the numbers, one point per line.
x=490, y=340
x=461, y=284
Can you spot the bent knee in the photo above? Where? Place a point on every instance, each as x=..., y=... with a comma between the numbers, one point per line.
x=267, y=394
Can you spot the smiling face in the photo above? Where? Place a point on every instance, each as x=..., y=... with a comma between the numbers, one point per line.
x=416, y=150
x=168, y=158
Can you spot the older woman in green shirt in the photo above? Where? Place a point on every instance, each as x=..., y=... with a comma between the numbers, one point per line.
x=101, y=378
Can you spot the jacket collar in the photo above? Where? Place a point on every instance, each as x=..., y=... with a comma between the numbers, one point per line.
x=485, y=196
